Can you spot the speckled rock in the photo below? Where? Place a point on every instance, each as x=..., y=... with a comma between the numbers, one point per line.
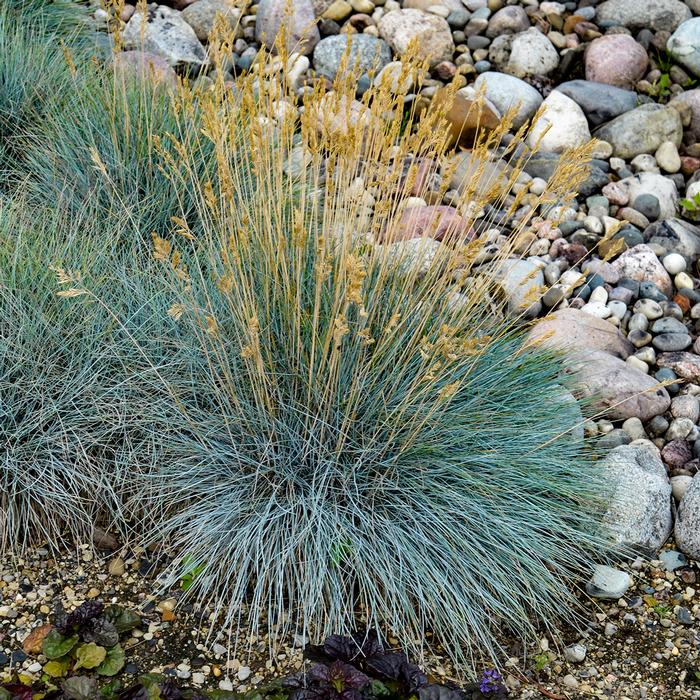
x=619, y=390
x=640, y=263
x=367, y=53
x=648, y=14
x=526, y=53
x=523, y=284
x=578, y=332
x=685, y=364
x=642, y=130
x=639, y=514
x=145, y=66
x=200, y=15
x=165, y=34
x=432, y=33
x=684, y=45
x=302, y=32
x=616, y=59
x=493, y=176
x=687, y=529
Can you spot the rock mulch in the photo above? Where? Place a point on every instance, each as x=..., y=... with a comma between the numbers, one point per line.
x=639, y=636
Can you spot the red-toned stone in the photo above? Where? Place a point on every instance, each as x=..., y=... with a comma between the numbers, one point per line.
x=689, y=165
x=434, y=221
x=676, y=453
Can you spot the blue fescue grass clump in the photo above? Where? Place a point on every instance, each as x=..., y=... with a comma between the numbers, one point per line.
x=359, y=435
x=37, y=37
x=73, y=383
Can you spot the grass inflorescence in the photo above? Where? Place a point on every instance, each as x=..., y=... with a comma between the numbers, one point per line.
x=334, y=421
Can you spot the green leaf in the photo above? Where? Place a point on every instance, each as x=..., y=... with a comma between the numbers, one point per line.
x=5, y=694
x=80, y=688
x=110, y=691
x=123, y=619
x=89, y=655
x=57, y=668
x=192, y=570
x=55, y=645
x=113, y=662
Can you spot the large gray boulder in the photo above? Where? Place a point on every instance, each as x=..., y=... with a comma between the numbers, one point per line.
x=618, y=390
x=643, y=14
x=579, y=333
x=639, y=515
x=165, y=33
x=687, y=530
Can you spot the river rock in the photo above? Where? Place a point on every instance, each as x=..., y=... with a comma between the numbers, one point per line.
x=690, y=99
x=366, y=54
x=675, y=235
x=687, y=530
x=684, y=45
x=599, y=102
x=200, y=15
x=578, y=332
x=435, y=221
x=432, y=34
x=165, y=34
x=511, y=19
x=620, y=390
x=302, y=33
x=561, y=126
x=645, y=183
x=607, y=582
x=145, y=66
x=526, y=53
x=641, y=264
x=493, y=176
x=639, y=515
x=649, y=14
x=642, y=130
x=616, y=59
x=506, y=91
x=523, y=284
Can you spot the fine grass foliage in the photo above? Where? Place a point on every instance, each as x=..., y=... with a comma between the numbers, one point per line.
x=73, y=381
x=331, y=421
x=361, y=436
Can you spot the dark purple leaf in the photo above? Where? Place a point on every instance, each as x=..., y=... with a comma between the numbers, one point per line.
x=344, y=676
x=169, y=690
x=19, y=691
x=101, y=631
x=135, y=692
x=440, y=692
x=337, y=647
x=389, y=666
x=79, y=619
x=414, y=677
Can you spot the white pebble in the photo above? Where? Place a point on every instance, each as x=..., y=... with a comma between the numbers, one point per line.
x=225, y=685
x=674, y=263
x=679, y=485
x=635, y=362
x=244, y=673
x=599, y=295
x=683, y=281
x=617, y=308
x=597, y=309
